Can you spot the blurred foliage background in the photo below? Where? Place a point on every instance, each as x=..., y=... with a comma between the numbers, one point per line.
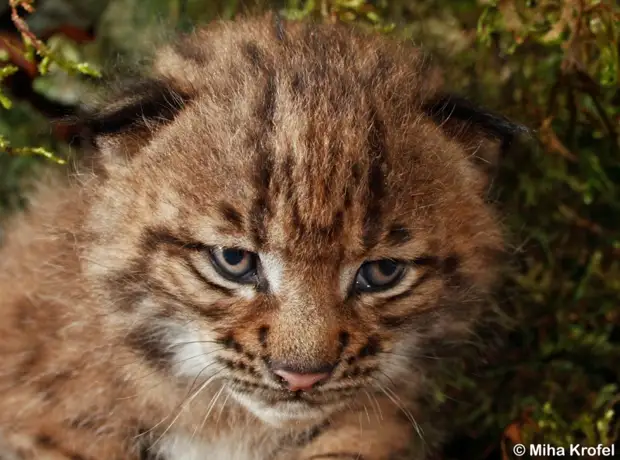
x=553, y=65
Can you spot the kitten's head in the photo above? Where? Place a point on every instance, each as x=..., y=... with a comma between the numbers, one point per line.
x=295, y=211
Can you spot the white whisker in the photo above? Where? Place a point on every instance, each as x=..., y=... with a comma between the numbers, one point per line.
x=209, y=409
x=395, y=399
x=182, y=407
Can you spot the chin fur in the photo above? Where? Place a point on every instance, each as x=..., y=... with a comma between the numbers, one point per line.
x=279, y=413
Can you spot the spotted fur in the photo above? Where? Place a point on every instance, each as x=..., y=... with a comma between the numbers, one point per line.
x=316, y=147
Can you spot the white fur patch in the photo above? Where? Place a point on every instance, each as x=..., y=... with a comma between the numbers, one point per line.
x=347, y=276
x=183, y=447
x=274, y=270
x=194, y=351
x=166, y=211
x=277, y=416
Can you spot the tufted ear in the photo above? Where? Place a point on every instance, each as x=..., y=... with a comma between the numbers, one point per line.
x=118, y=130
x=488, y=135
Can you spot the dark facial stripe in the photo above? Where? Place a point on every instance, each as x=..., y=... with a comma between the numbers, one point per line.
x=263, y=169
x=169, y=298
x=337, y=225
x=395, y=322
x=356, y=173
x=430, y=264
x=215, y=287
x=248, y=384
x=257, y=58
x=260, y=142
x=264, y=172
x=230, y=343
x=447, y=269
x=48, y=443
x=254, y=55
x=237, y=365
x=421, y=280
x=261, y=205
x=377, y=145
x=267, y=111
x=397, y=235
x=450, y=272
x=296, y=220
x=152, y=238
x=213, y=313
x=382, y=69
x=232, y=216
x=427, y=261
x=173, y=301
x=129, y=287
x=263, y=331
x=371, y=348
x=311, y=434
x=149, y=340
x=422, y=315
x=298, y=85
x=343, y=339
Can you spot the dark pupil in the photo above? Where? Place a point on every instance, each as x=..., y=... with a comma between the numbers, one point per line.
x=387, y=267
x=233, y=256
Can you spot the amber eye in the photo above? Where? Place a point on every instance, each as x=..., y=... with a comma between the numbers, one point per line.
x=235, y=264
x=379, y=275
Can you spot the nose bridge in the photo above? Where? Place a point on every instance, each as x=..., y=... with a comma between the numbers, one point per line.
x=306, y=326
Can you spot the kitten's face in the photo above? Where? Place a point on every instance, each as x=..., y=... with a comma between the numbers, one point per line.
x=294, y=232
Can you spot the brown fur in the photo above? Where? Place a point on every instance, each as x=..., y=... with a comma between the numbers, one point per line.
x=313, y=144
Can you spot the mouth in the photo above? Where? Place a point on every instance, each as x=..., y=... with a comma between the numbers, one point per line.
x=271, y=404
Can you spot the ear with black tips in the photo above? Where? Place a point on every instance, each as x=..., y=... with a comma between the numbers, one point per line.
x=118, y=130
x=488, y=133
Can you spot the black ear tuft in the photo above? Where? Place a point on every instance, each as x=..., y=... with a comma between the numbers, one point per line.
x=464, y=120
x=149, y=101
x=116, y=132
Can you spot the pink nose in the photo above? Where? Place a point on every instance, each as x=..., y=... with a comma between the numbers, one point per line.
x=302, y=382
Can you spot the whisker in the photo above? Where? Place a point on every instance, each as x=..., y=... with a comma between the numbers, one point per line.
x=182, y=406
x=161, y=382
x=219, y=415
x=388, y=377
x=375, y=405
x=131, y=363
x=410, y=356
x=178, y=344
x=395, y=399
x=366, y=411
x=209, y=409
x=199, y=374
x=185, y=404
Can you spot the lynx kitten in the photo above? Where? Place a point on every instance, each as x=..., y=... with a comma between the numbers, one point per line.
x=280, y=225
